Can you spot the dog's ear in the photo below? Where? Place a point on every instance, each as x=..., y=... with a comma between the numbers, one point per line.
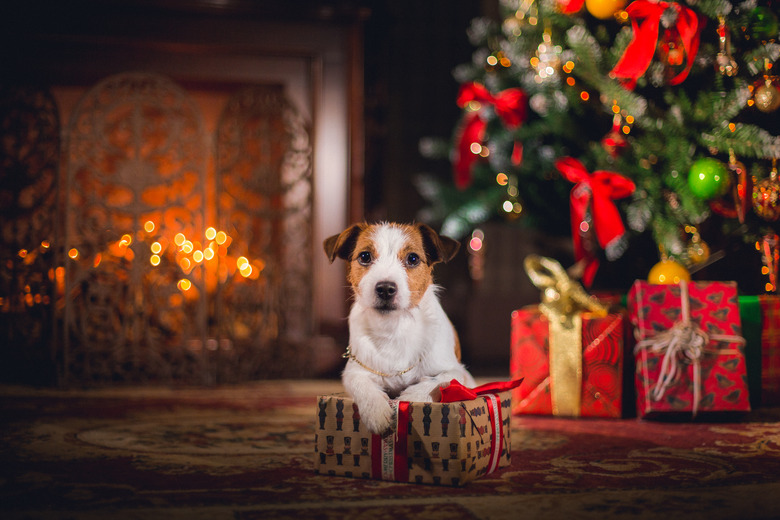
x=437, y=248
x=343, y=244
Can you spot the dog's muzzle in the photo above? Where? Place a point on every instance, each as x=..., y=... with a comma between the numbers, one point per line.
x=385, y=295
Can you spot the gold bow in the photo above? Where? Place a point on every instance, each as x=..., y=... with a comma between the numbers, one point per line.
x=560, y=294
x=563, y=299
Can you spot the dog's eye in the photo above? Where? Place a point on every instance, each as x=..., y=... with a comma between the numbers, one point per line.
x=412, y=259
x=364, y=258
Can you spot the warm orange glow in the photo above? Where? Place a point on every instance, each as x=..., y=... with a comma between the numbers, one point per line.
x=148, y=226
x=154, y=260
x=211, y=233
x=184, y=284
x=185, y=264
x=179, y=239
x=156, y=248
x=98, y=259
x=475, y=148
x=73, y=253
x=187, y=247
x=129, y=255
x=197, y=256
x=570, y=81
x=126, y=240
x=584, y=96
x=221, y=237
x=208, y=253
x=246, y=270
x=22, y=253
x=630, y=119
x=502, y=179
x=241, y=261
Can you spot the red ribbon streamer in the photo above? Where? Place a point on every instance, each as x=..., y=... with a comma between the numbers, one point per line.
x=398, y=442
x=509, y=106
x=598, y=190
x=391, y=452
x=645, y=21
x=455, y=391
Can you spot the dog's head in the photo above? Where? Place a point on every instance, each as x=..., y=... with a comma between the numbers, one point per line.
x=390, y=266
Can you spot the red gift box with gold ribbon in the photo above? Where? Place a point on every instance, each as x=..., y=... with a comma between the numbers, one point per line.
x=599, y=393
x=451, y=443
x=690, y=353
x=568, y=349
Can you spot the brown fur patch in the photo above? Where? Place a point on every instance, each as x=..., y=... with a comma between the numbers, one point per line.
x=420, y=276
x=355, y=271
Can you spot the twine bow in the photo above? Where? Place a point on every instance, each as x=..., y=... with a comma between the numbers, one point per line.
x=684, y=343
x=510, y=107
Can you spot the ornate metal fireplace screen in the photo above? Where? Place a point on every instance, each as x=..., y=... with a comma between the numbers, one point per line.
x=180, y=263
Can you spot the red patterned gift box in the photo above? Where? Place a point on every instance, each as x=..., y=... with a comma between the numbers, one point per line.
x=600, y=365
x=690, y=355
x=770, y=349
x=446, y=443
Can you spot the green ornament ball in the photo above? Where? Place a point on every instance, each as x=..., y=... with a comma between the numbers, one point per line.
x=763, y=23
x=708, y=178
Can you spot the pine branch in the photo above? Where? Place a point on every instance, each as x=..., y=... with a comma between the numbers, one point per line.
x=746, y=140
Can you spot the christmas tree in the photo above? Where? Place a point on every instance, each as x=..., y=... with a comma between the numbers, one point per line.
x=613, y=121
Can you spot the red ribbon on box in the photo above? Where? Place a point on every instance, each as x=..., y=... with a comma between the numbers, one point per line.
x=389, y=454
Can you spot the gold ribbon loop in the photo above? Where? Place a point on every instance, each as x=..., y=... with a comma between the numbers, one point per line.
x=563, y=299
x=559, y=292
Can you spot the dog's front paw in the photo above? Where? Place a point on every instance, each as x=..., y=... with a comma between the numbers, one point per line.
x=376, y=414
x=422, y=392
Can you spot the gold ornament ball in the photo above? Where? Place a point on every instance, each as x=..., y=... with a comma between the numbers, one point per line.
x=698, y=252
x=767, y=97
x=604, y=9
x=668, y=272
x=766, y=199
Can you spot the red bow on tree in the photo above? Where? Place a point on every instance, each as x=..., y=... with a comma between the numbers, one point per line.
x=570, y=6
x=509, y=105
x=597, y=190
x=645, y=21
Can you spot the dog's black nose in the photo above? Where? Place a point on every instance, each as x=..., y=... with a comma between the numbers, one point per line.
x=386, y=290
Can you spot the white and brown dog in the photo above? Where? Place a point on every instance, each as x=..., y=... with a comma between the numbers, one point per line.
x=401, y=342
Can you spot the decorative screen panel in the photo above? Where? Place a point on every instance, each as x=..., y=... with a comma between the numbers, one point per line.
x=264, y=194
x=135, y=302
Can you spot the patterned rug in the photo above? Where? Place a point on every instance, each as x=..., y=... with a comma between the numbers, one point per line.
x=246, y=453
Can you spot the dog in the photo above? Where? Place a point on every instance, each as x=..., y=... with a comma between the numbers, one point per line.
x=401, y=343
